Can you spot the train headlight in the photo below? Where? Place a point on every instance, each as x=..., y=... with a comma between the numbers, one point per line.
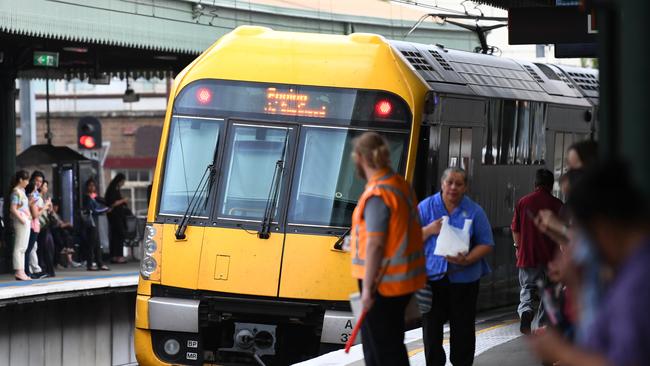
x=148, y=266
x=172, y=347
x=150, y=246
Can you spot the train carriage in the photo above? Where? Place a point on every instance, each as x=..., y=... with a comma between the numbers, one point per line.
x=254, y=186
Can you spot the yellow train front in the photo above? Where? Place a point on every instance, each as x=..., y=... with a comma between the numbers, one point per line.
x=253, y=188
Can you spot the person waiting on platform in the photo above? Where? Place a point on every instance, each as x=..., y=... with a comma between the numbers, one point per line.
x=46, y=252
x=453, y=280
x=117, y=217
x=63, y=237
x=534, y=250
x=91, y=211
x=37, y=207
x=608, y=208
x=386, y=246
x=21, y=219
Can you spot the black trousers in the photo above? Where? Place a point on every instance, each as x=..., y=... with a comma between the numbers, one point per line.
x=382, y=333
x=456, y=303
x=94, y=247
x=30, y=245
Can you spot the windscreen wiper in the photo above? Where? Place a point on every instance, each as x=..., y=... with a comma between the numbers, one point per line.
x=194, y=202
x=338, y=245
x=274, y=191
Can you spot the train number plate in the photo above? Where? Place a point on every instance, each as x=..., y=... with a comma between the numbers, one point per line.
x=337, y=327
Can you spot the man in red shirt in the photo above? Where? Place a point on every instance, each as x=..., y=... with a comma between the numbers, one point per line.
x=534, y=249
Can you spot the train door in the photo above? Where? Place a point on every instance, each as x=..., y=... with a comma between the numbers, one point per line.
x=242, y=250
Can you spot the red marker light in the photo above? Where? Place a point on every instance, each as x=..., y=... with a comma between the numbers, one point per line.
x=383, y=108
x=204, y=95
x=87, y=141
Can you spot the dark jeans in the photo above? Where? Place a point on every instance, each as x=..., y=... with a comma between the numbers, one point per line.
x=116, y=224
x=382, y=333
x=94, y=247
x=456, y=303
x=30, y=245
x=46, y=251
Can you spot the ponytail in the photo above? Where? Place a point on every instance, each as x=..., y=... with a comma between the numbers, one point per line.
x=373, y=148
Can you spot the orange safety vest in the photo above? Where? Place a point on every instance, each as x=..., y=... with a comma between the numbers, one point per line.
x=403, y=264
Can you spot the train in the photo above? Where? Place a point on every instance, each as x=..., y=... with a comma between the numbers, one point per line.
x=254, y=186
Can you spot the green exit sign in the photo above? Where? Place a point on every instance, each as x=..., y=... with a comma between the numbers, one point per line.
x=46, y=59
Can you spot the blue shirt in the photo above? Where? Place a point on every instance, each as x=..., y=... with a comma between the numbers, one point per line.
x=431, y=209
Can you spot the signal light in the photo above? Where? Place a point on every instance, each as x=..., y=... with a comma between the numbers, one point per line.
x=383, y=108
x=204, y=95
x=89, y=133
x=87, y=142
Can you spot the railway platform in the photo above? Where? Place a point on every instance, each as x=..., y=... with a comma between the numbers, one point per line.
x=69, y=282
x=498, y=343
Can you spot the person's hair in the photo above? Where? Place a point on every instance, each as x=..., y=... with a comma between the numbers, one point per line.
x=20, y=175
x=373, y=148
x=88, y=182
x=587, y=151
x=544, y=179
x=113, y=185
x=607, y=191
x=31, y=186
x=454, y=169
x=56, y=202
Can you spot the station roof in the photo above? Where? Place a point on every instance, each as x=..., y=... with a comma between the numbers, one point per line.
x=158, y=38
x=507, y=4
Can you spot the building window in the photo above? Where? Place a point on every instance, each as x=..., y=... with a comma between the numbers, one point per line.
x=515, y=133
x=136, y=189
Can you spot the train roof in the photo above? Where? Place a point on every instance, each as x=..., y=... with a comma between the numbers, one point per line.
x=260, y=54
x=460, y=72
x=367, y=61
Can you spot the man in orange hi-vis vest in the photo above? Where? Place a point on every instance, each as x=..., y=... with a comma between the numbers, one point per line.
x=386, y=250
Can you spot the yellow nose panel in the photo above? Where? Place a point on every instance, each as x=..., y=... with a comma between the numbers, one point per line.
x=312, y=270
x=236, y=261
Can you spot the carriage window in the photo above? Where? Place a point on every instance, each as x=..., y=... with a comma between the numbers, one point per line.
x=249, y=169
x=515, y=133
x=460, y=148
x=325, y=186
x=192, y=146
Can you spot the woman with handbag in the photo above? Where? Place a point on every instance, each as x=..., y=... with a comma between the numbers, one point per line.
x=21, y=219
x=117, y=217
x=453, y=281
x=386, y=248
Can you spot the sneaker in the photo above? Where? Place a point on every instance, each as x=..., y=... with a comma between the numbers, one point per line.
x=75, y=264
x=526, y=320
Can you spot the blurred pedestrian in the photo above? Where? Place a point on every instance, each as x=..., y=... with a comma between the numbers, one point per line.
x=117, y=217
x=21, y=219
x=62, y=235
x=92, y=209
x=609, y=209
x=534, y=250
x=46, y=252
x=386, y=246
x=37, y=208
x=582, y=154
x=453, y=280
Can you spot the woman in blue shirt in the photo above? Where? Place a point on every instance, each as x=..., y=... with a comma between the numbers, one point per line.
x=453, y=280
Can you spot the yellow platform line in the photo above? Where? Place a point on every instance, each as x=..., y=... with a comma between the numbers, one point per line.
x=504, y=324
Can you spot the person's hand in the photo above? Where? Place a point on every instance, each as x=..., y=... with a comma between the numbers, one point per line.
x=367, y=299
x=459, y=259
x=546, y=221
x=547, y=344
x=434, y=227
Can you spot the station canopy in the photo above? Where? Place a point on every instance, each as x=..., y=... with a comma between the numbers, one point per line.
x=98, y=39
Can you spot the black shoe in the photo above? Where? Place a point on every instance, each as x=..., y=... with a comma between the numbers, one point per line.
x=38, y=275
x=526, y=320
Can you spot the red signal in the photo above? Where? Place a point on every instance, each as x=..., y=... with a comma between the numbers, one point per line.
x=87, y=141
x=383, y=108
x=204, y=95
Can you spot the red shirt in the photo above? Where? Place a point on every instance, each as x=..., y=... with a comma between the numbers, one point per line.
x=535, y=248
